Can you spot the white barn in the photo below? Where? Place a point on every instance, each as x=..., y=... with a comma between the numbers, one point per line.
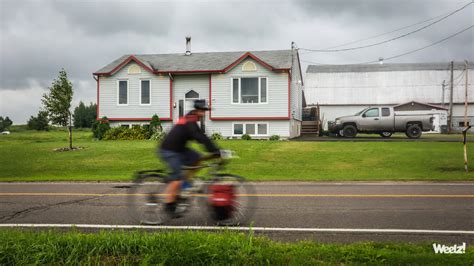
x=346, y=89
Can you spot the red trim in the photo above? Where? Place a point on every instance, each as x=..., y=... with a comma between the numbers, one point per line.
x=187, y=71
x=135, y=119
x=97, y=106
x=248, y=54
x=124, y=63
x=249, y=118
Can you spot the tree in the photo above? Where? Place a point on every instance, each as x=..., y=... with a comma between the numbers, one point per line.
x=84, y=116
x=58, y=102
x=40, y=122
x=5, y=123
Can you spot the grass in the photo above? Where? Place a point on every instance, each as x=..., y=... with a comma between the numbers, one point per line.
x=29, y=156
x=202, y=248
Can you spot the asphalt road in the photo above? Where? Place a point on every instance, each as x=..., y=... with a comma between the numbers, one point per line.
x=327, y=212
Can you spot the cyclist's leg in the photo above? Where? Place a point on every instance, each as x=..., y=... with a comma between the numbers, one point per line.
x=174, y=161
x=191, y=158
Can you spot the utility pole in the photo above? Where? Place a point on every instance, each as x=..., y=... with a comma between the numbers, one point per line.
x=450, y=117
x=442, y=92
x=466, y=126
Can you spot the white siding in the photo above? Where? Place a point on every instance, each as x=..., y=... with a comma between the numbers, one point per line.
x=159, y=97
x=391, y=87
x=277, y=94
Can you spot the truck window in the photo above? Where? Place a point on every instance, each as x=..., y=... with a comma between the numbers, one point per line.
x=385, y=112
x=372, y=112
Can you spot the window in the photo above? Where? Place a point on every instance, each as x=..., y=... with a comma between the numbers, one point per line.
x=238, y=129
x=125, y=125
x=253, y=129
x=249, y=90
x=461, y=124
x=134, y=69
x=191, y=95
x=385, y=112
x=145, y=91
x=122, y=92
x=249, y=66
x=250, y=129
x=373, y=112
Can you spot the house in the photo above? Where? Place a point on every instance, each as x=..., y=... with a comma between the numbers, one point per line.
x=342, y=90
x=259, y=93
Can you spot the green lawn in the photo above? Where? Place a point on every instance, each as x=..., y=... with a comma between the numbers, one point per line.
x=29, y=156
x=200, y=248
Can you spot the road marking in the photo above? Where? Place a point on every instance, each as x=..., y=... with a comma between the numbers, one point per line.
x=246, y=195
x=256, y=229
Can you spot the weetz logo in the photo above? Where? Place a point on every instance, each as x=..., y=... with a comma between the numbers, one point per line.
x=443, y=249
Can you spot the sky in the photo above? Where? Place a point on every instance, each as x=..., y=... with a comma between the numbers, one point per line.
x=39, y=38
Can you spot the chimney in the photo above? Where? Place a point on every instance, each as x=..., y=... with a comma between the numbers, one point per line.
x=188, y=45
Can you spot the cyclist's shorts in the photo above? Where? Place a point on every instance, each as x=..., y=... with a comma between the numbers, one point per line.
x=175, y=160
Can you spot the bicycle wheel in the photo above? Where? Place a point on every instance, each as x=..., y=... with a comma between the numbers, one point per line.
x=242, y=207
x=147, y=199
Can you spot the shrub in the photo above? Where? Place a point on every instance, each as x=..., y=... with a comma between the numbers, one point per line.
x=216, y=136
x=155, y=125
x=158, y=136
x=275, y=137
x=99, y=128
x=246, y=137
x=123, y=133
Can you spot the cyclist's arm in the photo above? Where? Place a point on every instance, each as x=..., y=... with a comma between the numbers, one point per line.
x=200, y=137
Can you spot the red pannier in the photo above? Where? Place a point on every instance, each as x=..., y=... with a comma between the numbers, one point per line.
x=222, y=200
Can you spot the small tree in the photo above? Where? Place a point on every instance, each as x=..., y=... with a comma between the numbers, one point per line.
x=100, y=127
x=5, y=123
x=58, y=102
x=40, y=122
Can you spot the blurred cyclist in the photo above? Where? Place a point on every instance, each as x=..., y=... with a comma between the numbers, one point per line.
x=174, y=152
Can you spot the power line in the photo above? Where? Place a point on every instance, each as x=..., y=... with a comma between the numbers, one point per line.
x=406, y=53
x=389, y=40
x=381, y=34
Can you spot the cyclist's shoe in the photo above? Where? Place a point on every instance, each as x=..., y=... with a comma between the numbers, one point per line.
x=172, y=210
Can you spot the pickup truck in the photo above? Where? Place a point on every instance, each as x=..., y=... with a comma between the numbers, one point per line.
x=382, y=120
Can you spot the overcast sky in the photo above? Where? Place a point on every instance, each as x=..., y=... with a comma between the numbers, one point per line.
x=38, y=38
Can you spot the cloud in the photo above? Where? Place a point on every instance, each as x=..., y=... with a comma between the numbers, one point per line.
x=38, y=38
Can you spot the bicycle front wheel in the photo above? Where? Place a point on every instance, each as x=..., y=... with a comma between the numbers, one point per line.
x=146, y=200
x=242, y=205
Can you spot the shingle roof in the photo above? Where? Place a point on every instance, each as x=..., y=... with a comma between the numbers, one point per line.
x=385, y=67
x=216, y=61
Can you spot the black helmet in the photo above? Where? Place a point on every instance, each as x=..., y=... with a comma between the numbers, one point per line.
x=201, y=105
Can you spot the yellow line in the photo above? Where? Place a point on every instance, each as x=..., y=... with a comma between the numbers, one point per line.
x=252, y=195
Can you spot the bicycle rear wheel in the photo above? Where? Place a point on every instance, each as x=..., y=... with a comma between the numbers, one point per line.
x=146, y=199
x=244, y=202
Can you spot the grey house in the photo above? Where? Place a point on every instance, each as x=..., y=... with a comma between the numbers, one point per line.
x=259, y=93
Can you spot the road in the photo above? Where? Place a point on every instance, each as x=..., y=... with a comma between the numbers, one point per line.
x=287, y=211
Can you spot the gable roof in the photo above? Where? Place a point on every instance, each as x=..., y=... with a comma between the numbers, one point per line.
x=200, y=62
x=423, y=104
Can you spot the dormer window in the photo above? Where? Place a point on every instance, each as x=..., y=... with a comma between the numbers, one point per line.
x=134, y=69
x=249, y=66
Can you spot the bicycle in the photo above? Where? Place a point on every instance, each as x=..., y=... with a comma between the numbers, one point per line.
x=226, y=198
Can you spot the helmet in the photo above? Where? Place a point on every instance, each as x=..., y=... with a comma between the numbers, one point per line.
x=201, y=105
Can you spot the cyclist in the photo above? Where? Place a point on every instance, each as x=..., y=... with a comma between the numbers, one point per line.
x=174, y=152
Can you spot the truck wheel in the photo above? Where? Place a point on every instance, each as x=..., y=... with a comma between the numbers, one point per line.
x=413, y=131
x=349, y=131
x=386, y=134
